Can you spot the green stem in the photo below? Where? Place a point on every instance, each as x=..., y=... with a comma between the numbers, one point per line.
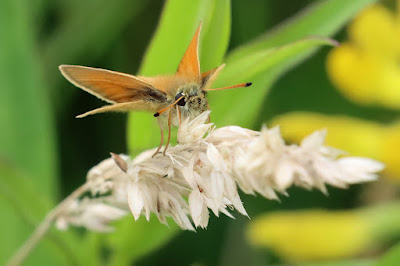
x=43, y=227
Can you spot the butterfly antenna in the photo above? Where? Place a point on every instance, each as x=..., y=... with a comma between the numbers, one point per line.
x=241, y=85
x=166, y=108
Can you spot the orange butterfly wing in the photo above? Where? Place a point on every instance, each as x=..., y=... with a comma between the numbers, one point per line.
x=208, y=77
x=126, y=92
x=189, y=67
x=111, y=86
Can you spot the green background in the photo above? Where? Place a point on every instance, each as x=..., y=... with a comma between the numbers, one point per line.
x=45, y=152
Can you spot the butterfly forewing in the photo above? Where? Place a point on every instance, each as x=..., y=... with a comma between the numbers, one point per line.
x=189, y=67
x=111, y=86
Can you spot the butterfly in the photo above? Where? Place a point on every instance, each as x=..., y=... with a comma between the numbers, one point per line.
x=174, y=97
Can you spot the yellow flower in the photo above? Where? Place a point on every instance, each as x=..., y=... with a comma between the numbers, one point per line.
x=311, y=235
x=367, y=67
x=358, y=137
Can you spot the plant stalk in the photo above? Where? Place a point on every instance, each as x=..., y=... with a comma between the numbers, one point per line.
x=22, y=253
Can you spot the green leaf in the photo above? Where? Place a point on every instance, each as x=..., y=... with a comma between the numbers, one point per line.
x=167, y=48
x=26, y=207
x=27, y=135
x=143, y=132
x=27, y=144
x=144, y=237
x=363, y=262
x=216, y=32
x=21, y=193
x=242, y=107
x=323, y=18
x=79, y=36
x=178, y=23
x=392, y=257
x=251, y=19
x=262, y=67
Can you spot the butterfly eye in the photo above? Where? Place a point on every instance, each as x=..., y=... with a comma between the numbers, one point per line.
x=182, y=101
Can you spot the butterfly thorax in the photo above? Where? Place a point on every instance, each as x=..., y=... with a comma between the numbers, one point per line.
x=193, y=102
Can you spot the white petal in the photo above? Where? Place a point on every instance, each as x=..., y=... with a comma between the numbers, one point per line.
x=217, y=186
x=216, y=159
x=193, y=131
x=269, y=193
x=196, y=206
x=284, y=176
x=107, y=212
x=272, y=138
x=315, y=140
x=360, y=164
x=227, y=213
x=204, y=218
x=61, y=224
x=135, y=200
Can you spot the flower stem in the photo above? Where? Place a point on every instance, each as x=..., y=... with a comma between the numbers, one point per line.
x=21, y=254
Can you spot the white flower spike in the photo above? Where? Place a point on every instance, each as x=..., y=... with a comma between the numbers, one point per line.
x=204, y=171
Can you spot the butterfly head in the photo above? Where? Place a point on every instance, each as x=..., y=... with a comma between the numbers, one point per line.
x=193, y=100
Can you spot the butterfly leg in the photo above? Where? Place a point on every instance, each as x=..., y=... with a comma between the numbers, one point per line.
x=209, y=116
x=169, y=131
x=179, y=114
x=162, y=136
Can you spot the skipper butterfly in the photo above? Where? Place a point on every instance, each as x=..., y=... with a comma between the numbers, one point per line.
x=178, y=96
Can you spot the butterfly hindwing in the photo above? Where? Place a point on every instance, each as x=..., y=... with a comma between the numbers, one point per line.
x=207, y=78
x=138, y=105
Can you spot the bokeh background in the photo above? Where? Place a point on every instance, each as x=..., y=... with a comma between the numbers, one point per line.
x=45, y=152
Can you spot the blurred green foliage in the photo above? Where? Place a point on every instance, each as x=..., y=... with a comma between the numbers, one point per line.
x=45, y=152
x=392, y=257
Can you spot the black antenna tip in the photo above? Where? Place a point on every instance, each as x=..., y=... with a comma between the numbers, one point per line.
x=248, y=84
x=156, y=115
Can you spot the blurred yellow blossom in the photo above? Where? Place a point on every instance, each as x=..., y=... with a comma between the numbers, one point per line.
x=310, y=235
x=358, y=137
x=313, y=235
x=367, y=67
